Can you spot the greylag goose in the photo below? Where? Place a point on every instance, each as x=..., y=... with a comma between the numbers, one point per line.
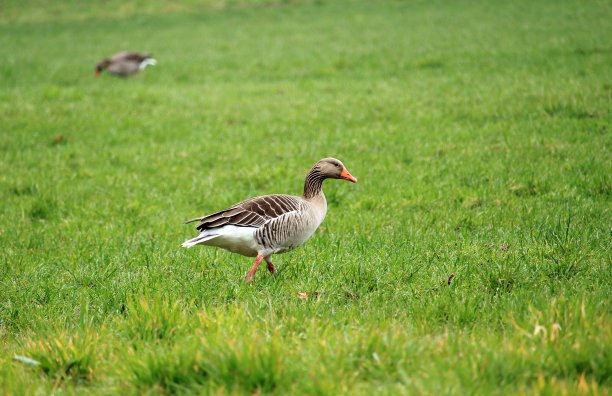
x=125, y=63
x=262, y=226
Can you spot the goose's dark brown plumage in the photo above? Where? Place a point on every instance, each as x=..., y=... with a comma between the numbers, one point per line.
x=253, y=212
x=262, y=226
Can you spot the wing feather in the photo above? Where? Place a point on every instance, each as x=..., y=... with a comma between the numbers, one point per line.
x=253, y=212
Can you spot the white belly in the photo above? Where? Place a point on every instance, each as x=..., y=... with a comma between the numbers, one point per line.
x=235, y=239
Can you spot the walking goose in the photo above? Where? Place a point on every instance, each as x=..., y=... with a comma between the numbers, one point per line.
x=262, y=226
x=125, y=63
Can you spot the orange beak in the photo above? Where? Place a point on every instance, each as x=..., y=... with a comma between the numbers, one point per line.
x=97, y=73
x=346, y=175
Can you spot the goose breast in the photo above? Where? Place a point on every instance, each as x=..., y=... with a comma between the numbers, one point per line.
x=290, y=230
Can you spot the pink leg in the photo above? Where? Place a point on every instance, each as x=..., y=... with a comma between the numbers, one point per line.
x=270, y=265
x=251, y=273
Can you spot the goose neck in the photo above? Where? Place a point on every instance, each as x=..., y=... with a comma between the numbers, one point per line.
x=313, y=186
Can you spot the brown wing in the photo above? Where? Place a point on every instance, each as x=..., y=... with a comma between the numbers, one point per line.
x=253, y=212
x=130, y=56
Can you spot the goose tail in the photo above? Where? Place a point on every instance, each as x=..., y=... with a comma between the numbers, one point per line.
x=147, y=62
x=199, y=239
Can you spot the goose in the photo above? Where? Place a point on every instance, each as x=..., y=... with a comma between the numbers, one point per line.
x=271, y=224
x=125, y=63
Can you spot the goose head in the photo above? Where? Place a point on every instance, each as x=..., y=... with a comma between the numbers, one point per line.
x=102, y=65
x=331, y=168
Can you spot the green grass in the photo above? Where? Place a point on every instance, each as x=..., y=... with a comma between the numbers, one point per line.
x=480, y=134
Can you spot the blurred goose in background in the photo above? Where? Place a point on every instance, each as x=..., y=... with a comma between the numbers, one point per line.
x=125, y=63
x=262, y=226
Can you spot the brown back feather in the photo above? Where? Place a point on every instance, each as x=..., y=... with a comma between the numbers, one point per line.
x=129, y=56
x=253, y=212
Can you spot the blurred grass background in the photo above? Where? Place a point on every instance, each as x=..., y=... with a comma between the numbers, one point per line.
x=479, y=131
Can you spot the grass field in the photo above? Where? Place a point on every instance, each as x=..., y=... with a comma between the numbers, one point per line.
x=480, y=134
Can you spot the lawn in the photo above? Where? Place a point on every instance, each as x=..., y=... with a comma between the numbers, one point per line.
x=473, y=256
